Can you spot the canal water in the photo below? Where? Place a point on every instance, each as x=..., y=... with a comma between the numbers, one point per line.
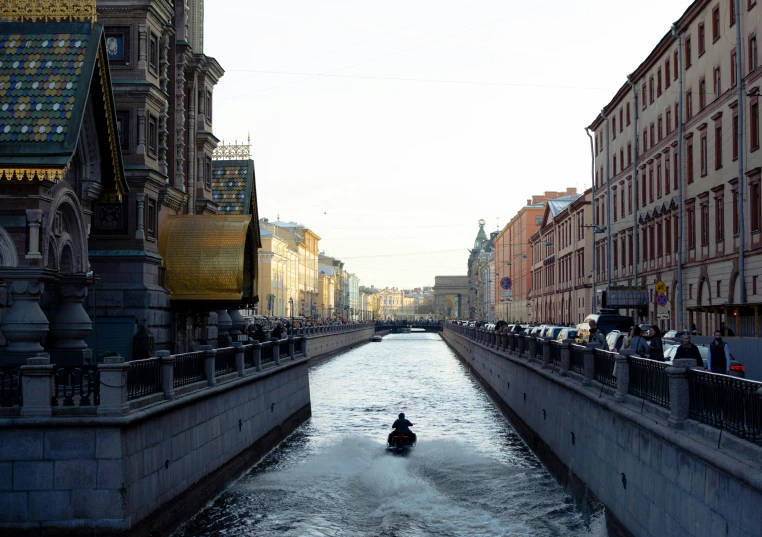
x=469, y=475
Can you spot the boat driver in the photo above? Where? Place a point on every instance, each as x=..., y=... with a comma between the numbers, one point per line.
x=401, y=427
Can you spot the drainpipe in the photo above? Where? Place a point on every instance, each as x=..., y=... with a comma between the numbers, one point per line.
x=635, y=182
x=741, y=177
x=680, y=305
x=592, y=211
x=608, y=201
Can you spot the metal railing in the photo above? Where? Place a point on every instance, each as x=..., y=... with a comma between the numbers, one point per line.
x=224, y=361
x=648, y=380
x=577, y=358
x=76, y=386
x=248, y=356
x=143, y=378
x=726, y=402
x=267, y=352
x=10, y=385
x=284, y=349
x=189, y=368
x=555, y=353
x=605, y=367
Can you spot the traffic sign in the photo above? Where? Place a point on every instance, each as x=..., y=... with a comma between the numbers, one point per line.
x=506, y=283
x=661, y=288
x=664, y=316
x=661, y=300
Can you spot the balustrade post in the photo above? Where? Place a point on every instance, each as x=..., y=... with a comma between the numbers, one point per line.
x=505, y=337
x=257, y=355
x=546, y=352
x=37, y=387
x=113, y=377
x=565, y=354
x=679, y=401
x=210, y=356
x=291, y=347
x=239, y=365
x=276, y=350
x=304, y=347
x=167, y=373
x=522, y=343
x=589, y=364
x=532, y=347
x=622, y=374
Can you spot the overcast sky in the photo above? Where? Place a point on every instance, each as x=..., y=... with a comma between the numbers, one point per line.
x=390, y=128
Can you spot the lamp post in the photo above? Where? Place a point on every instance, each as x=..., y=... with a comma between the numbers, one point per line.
x=291, y=308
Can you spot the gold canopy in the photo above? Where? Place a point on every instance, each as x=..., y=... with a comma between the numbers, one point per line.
x=204, y=256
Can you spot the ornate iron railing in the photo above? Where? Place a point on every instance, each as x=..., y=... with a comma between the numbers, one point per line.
x=555, y=353
x=143, y=378
x=267, y=352
x=76, y=386
x=248, y=356
x=726, y=402
x=605, y=367
x=284, y=350
x=648, y=380
x=10, y=385
x=189, y=368
x=577, y=358
x=224, y=361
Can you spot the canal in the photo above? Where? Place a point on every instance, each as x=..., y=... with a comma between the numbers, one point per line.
x=469, y=475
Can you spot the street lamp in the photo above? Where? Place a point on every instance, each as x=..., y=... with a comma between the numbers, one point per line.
x=291, y=307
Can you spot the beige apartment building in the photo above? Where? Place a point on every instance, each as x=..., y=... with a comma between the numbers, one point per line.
x=561, y=261
x=513, y=258
x=278, y=272
x=637, y=140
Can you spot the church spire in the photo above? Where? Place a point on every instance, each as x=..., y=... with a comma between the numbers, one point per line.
x=481, y=236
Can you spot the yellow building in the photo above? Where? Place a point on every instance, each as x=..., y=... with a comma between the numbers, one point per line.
x=278, y=270
x=326, y=288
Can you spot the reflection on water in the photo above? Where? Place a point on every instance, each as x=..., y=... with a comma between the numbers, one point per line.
x=469, y=475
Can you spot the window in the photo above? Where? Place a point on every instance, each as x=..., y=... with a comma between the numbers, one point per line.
x=621, y=123
x=754, y=127
x=689, y=159
x=732, y=12
x=651, y=243
x=667, y=234
x=675, y=66
x=615, y=205
x=538, y=219
x=669, y=121
x=733, y=60
x=153, y=54
x=717, y=83
x=643, y=94
x=677, y=117
x=675, y=223
x=616, y=253
x=150, y=218
x=614, y=166
x=658, y=82
x=701, y=39
x=734, y=133
x=716, y=23
x=735, y=212
x=704, y=224
x=702, y=93
x=208, y=174
x=659, y=241
x=629, y=197
x=691, y=228
x=629, y=153
x=650, y=183
x=153, y=135
x=688, y=105
x=659, y=130
x=651, y=90
x=621, y=157
x=628, y=114
x=653, y=138
x=123, y=129
x=118, y=45
x=687, y=53
x=703, y=154
x=643, y=190
x=675, y=174
x=666, y=74
x=718, y=145
x=690, y=290
x=666, y=174
x=613, y=128
x=752, y=52
x=754, y=205
x=719, y=218
x=621, y=205
x=658, y=178
x=629, y=248
x=645, y=140
x=209, y=107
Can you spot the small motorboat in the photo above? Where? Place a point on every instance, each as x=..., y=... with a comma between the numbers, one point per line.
x=376, y=339
x=400, y=443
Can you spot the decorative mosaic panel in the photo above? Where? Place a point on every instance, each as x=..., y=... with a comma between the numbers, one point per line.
x=230, y=190
x=39, y=76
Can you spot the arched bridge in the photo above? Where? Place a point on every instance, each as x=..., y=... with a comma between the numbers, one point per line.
x=396, y=327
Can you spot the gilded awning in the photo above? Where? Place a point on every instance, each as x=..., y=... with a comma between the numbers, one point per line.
x=204, y=257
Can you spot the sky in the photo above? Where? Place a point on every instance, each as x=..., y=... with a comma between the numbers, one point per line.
x=390, y=128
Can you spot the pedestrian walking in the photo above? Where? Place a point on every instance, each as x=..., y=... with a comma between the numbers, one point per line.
x=719, y=355
x=688, y=350
x=638, y=343
x=596, y=336
x=656, y=345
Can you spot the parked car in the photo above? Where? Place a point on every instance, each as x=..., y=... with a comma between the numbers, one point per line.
x=607, y=320
x=673, y=334
x=737, y=369
x=552, y=331
x=615, y=340
x=567, y=333
x=537, y=330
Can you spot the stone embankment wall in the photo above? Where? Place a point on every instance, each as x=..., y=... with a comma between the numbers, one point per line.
x=322, y=345
x=655, y=481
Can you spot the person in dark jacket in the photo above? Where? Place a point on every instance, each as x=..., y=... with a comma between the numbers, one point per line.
x=687, y=350
x=259, y=334
x=277, y=331
x=719, y=355
x=401, y=427
x=655, y=346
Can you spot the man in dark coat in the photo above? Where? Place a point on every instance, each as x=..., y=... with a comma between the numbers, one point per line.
x=687, y=350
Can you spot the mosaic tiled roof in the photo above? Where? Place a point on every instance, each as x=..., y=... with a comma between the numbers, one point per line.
x=232, y=185
x=39, y=79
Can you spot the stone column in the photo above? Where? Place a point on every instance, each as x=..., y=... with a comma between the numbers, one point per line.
x=522, y=343
x=24, y=324
x=622, y=374
x=291, y=347
x=210, y=356
x=113, y=373
x=546, y=342
x=504, y=338
x=532, y=347
x=140, y=200
x=239, y=365
x=141, y=147
x=37, y=387
x=679, y=401
x=167, y=373
x=142, y=32
x=565, y=353
x=224, y=324
x=34, y=221
x=257, y=355
x=304, y=347
x=236, y=324
x=276, y=350
x=71, y=324
x=589, y=364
